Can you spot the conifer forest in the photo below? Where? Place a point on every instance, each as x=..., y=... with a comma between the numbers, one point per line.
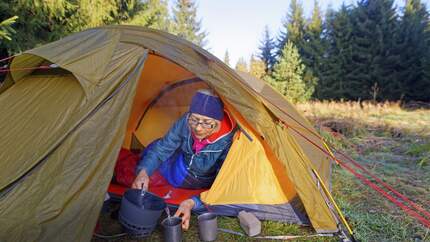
x=371, y=50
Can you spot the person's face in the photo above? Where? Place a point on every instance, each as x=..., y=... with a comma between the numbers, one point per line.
x=202, y=126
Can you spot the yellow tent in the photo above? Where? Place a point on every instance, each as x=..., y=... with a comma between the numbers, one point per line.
x=62, y=128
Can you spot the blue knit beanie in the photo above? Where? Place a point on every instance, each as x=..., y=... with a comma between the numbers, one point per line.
x=206, y=103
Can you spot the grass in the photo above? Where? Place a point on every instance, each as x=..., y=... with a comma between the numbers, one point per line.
x=110, y=226
x=390, y=141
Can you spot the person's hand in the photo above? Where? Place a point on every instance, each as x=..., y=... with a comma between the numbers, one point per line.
x=141, y=181
x=184, y=210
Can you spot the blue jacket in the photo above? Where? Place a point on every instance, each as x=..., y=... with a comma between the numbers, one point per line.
x=177, y=162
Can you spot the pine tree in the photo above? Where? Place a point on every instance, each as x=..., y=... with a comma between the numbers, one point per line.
x=41, y=21
x=84, y=14
x=241, y=65
x=152, y=14
x=426, y=76
x=287, y=76
x=227, y=58
x=267, y=49
x=257, y=67
x=38, y=22
x=314, y=27
x=313, y=46
x=295, y=32
x=6, y=29
x=375, y=54
x=127, y=9
x=185, y=23
x=294, y=28
x=336, y=66
x=414, y=44
x=94, y=13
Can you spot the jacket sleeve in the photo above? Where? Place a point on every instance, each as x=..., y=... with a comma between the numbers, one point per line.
x=225, y=152
x=163, y=148
x=198, y=204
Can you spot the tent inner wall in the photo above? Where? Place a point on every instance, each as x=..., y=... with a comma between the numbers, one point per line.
x=169, y=106
x=157, y=74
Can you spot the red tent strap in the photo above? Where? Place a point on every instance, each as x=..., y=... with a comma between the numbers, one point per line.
x=406, y=199
x=7, y=58
x=372, y=185
x=25, y=68
x=416, y=206
x=405, y=208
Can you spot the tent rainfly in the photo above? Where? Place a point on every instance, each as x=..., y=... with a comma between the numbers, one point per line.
x=62, y=128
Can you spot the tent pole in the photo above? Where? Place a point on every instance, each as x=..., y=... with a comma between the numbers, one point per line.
x=329, y=151
x=339, y=212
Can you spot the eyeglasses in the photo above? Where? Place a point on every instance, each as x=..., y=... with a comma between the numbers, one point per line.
x=204, y=123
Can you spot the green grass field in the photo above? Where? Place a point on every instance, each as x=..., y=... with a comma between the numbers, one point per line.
x=390, y=141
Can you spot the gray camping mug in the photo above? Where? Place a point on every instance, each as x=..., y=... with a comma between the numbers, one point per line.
x=172, y=229
x=208, y=226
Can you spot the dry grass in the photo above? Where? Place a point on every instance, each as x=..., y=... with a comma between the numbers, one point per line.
x=389, y=116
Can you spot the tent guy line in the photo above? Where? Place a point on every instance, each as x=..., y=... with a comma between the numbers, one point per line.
x=374, y=186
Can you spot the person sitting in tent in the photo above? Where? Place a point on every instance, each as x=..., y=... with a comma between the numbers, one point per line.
x=191, y=153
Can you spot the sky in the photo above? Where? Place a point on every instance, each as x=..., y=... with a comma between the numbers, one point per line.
x=238, y=25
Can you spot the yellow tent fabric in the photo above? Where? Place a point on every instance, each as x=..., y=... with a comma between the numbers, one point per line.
x=60, y=133
x=247, y=177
